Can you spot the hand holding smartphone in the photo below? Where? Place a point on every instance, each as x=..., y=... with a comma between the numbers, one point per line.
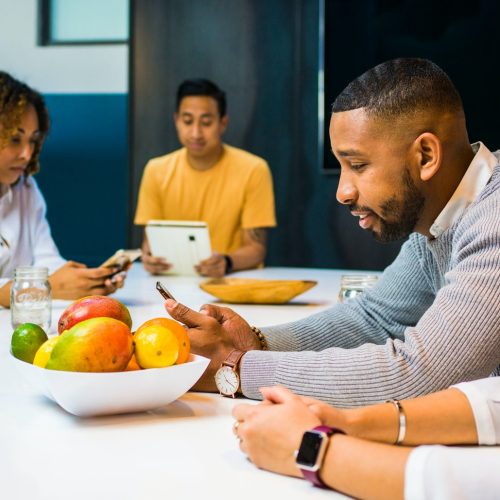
x=122, y=259
x=164, y=292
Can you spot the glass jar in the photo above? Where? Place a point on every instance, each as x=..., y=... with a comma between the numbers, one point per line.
x=353, y=285
x=31, y=297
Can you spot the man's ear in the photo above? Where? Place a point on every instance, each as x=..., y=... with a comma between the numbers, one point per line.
x=224, y=122
x=429, y=153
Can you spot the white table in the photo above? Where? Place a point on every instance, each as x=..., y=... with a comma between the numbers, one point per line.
x=182, y=451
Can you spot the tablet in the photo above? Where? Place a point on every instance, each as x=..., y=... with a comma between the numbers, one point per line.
x=183, y=244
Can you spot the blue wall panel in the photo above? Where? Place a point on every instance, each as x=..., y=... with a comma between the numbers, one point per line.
x=84, y=174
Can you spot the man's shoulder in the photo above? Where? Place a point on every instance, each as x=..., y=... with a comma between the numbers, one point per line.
x=164, y=161
x=241, y=158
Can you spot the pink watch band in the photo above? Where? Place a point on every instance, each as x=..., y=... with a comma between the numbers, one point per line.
x=313, y=475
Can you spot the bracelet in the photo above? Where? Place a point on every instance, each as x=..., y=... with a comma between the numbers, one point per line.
x=261, y=338
x=229, y=264
x=402, y=420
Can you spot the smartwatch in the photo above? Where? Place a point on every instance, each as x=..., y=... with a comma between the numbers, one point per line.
x=229, y=264
x=311, y=453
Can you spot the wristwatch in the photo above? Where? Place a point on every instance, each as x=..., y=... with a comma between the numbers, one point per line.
x=227, y=379
x=311, y=453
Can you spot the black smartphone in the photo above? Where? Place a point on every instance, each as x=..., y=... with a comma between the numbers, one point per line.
x=164, y=292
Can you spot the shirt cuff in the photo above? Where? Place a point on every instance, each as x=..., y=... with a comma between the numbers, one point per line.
x=484, y=422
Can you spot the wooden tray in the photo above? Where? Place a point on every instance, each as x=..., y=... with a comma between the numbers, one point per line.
x=254, y=291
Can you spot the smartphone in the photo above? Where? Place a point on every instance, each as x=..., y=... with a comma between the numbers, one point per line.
x=164, y=292
x=122, y=259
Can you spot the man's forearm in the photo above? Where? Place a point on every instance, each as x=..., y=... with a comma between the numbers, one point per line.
x=248, y=256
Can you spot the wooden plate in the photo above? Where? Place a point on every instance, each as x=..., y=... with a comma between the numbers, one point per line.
x=253, y=291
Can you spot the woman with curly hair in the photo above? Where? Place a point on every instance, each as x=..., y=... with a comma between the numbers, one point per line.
x=25, y=238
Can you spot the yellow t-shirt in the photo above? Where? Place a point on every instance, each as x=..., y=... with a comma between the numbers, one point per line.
x=235, y=194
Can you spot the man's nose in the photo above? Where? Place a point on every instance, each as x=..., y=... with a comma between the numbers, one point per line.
x=196, y=130
x=347, y=193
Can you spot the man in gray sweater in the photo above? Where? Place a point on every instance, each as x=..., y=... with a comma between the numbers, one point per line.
x=433, y=319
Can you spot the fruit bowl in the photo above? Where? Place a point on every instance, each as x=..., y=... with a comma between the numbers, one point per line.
x=255, y=291
x=92, y=394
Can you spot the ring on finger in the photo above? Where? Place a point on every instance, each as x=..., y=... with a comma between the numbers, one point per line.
x=235, y=427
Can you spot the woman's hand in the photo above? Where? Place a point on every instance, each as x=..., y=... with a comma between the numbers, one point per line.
x=75, y=280
x=271, y=431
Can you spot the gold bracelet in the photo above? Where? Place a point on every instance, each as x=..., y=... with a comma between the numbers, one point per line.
x=261, y=338
x=402, y=420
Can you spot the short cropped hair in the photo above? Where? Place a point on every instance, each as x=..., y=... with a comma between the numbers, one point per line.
x=400, y=87
x=15, y=97
x=202, y=87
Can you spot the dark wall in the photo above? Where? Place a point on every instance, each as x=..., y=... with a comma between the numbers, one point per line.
x=83, y=174
x=265, y=55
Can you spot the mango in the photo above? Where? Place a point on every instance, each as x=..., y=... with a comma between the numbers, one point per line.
x=93, y=306
x=93, y=345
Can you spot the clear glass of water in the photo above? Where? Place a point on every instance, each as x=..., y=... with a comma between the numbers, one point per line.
x=353, y=285
x=31, y=297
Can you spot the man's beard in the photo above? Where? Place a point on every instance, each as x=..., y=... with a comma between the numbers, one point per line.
x=403, y=212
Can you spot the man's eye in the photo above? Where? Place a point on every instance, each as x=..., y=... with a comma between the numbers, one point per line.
x=187, y=122
x=358, y=166
x=207, y=124
x=15, y=140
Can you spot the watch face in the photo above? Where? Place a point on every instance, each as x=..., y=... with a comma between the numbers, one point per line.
x=227, y=380
x=313, y=443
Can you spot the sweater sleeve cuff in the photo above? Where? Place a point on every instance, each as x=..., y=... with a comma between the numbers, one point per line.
x=484, y=423
x=258, y=369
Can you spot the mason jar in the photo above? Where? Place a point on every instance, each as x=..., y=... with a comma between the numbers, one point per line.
x=31, y=297
x=353, y=285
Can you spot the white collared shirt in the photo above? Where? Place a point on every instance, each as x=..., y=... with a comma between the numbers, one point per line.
x=24, y=230
x=473, y=182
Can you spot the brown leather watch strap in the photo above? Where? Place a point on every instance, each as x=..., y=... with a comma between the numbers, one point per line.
x=233, y=359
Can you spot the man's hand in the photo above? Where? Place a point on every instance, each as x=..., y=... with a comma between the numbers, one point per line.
x=75, y=280
x=213, y=332
x=271, y=431
x=214, y=266
x=153, y=265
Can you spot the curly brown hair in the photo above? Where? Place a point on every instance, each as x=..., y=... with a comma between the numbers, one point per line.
x=15, y=97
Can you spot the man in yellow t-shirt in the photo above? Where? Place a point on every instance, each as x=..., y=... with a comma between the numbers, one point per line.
x=209, y=181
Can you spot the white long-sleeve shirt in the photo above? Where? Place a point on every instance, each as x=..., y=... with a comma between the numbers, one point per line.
x=24, y=230
x=459, y=473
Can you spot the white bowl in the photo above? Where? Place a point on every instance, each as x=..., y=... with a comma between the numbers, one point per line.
x=91, y=394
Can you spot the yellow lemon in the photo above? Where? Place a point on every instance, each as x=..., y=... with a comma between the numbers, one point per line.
x=44, y=352
x=156, y=347
x=178, y=330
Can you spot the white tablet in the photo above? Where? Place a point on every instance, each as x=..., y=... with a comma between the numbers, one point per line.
x=183, y=244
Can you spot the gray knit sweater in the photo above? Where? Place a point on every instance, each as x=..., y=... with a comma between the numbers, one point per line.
x=432, y=320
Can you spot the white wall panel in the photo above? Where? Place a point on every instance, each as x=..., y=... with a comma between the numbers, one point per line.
x=68, y=69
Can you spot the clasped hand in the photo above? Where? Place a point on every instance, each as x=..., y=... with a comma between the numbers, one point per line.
x=271, y=432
